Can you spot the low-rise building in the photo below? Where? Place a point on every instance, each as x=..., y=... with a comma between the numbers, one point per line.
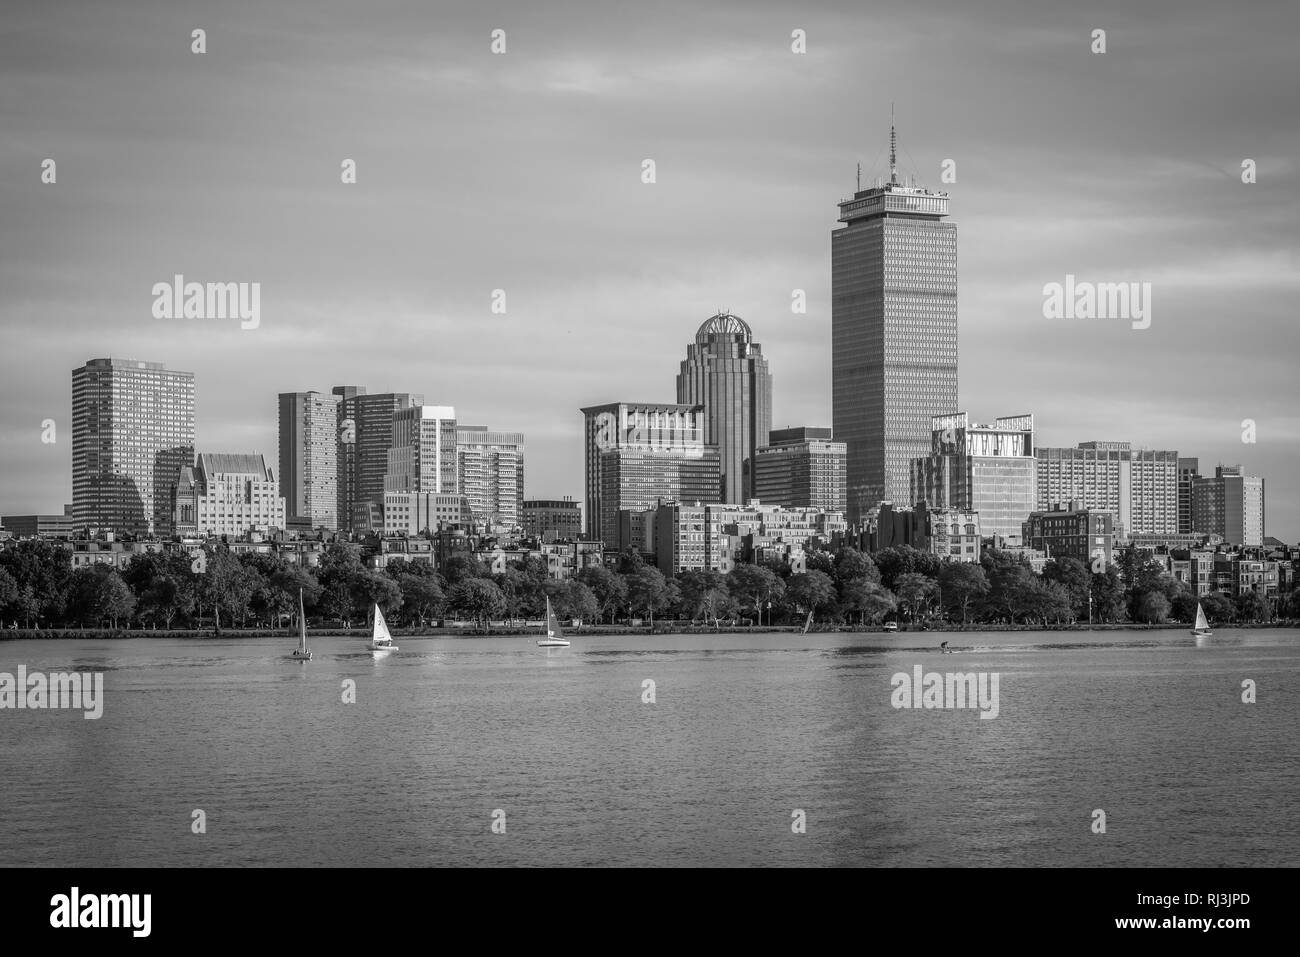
x=1071, y=531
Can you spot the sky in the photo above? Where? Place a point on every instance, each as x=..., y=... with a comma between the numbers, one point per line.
x=522, y=171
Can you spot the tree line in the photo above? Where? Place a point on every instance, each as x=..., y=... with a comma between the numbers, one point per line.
x=39, y=588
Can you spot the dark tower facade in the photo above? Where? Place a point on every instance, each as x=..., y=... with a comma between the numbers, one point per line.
x=726, y=373
x=893, y=333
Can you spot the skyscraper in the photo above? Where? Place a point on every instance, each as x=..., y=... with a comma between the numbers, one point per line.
x=638, y=452
x=423, y=454
x=490, y=474
x=725, y=372
x=365, y=434
x=893, y=333
x=989, y=469
x=132, y=433
x=309, y=458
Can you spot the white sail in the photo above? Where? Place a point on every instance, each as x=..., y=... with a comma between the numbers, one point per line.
x=381, y=626
x=1201, y=623
x=553, y=629
x=302, y=624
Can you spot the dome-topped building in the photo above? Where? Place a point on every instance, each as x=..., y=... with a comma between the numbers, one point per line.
x=725, y=371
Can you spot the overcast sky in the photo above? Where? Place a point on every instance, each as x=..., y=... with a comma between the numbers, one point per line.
x=522, y=172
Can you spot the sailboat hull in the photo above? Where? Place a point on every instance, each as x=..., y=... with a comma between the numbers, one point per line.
x=552, y=643
x=301, y=655
x=380, y=648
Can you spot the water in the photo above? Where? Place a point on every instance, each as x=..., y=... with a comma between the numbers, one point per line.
x=1147, y=726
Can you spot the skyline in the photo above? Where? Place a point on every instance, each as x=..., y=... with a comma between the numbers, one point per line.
x=389, y=285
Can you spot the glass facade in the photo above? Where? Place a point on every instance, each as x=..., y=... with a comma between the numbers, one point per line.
x=132, y=433
x=726, y=373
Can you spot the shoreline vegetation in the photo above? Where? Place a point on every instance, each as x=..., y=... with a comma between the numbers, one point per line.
x=469, y=630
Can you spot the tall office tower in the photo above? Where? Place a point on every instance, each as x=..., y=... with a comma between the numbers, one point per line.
x=309, y=458
x=1189, y=470
x=1231, y=504
x=1138, y=486
x=132, y=433
x=893, y=333
x=650, y=451
x=365, y=434
x=490, y=473
x=989, y=469
x=725, y=372
x=228, y=494
x=423, y=454
x=800, y=468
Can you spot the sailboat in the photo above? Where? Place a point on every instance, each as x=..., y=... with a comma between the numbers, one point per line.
x=807, y=624
x=381, y=640
x=1202, y=628
x=301, y=652
x=554, y=633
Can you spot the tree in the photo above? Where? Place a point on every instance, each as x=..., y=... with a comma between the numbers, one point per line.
x=422, y=596
x=610, y=589
x=915, y=592
x=1107, y=595
x=905, y=560
x=820, y=561
x=1218, y=608
x=851, y=564
x=1153, y=608
x=375, y=588
x=9, y=591
x=97, y=593
x=45, y=569
x=1047, y=600
x=340, y=575
x=753, y=586
x=1076, y=579
x=961, y=584
x=647, y=591
x=478, y=598
x=458, y=568
x=811, y=591
x=164, y=586
x=717, y=603
x=695, y=585
x=1184, y=606
x=871, y=600
x=1252, y=607
x=1009, y=591
x=578, y=601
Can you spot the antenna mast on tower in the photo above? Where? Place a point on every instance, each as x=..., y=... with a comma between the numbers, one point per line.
x=893, y=149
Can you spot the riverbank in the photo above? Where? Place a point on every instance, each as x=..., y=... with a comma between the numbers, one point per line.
x=671, y=628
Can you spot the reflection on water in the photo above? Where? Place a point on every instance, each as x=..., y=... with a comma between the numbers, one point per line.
x=744, y=729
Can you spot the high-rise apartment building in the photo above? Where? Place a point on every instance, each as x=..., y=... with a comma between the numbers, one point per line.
x=725, y=372
x=654, y=450
x=893, y=333
x=490, y=473
x=365, y=434
x=309, y=458
x=801, y=468
x=1139, y=487
x=1230, y=504
x=989, y=469
x=1189, y=470
x=423, y=455
x=132, y=433
x=228, y=494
